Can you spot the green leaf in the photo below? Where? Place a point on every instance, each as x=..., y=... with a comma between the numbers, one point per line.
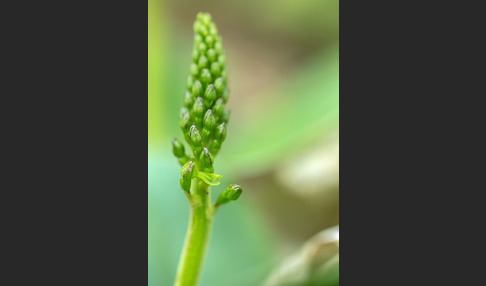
x=209, y=178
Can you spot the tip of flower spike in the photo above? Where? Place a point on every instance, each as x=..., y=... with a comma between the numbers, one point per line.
x=207, y=90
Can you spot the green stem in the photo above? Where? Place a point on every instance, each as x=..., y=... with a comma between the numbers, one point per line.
x=197, y=237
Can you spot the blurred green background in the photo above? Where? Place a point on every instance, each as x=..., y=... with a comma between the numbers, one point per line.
x=282, y=144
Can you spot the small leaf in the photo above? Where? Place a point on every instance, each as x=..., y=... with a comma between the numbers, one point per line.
x=209, y=178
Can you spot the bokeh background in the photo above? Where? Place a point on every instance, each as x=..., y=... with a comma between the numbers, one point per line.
x=282, y=144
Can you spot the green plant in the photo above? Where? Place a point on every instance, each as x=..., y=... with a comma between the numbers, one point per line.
x=203, y=122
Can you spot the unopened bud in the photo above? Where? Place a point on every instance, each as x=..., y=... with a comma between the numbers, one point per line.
x=215, y=69
x=221, y=132
x=184, y=119
x=196, y=88
x=178, y=148
x=210, y=94
x=198, y=107
x=212, y=55
x=226, y=116
x=200, y=28
x=194, y=70
x=202, y=48
x=189, y=82
x=188, y=99
x=218, y=47
x=215, y=146
x=219, y=85
x=209, y=41
x=203, y=62
x=222, y=60
x=206, y=160
x=206, y=19
x=218, y=107
x=232, y=193
x=213, y=30
x=195, y=135
x=188, y=172
x=198, y=39
x=195, y=55
x=224, y=75
x=206, y=133
x=205, y=76
x=225, y=95
x=209, y=120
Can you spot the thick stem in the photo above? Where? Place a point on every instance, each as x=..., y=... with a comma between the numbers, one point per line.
x=197, y=237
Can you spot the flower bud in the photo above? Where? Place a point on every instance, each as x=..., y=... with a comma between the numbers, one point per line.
x=198, y=107
x=209, y=41
x=178, y=148
x=194, y=70
x=222, y=60
x=197, y=39
x=232, y=193
x=218, y=107
x=226, y=115
x=206, y=133
x=206, y=160
x=224, y=75
x=195, y=55
x=189, y=82
x=199, y=17
x=202, y=48
x=200, y=28
x=188, y=172
x=209, y=120
x=184, y=120
x=225, y=95
x=188, y=99
x=205, y=76
x=206, y=19
x=215, y=69
x=221, y=132
x=195, y=136
x=210, y=94
x=219, y=85
x=218, y=47
x=213, y=30
x=196, y=88
x=183, y=160
x=203, y=62
x=215, y=146
x=212, y=55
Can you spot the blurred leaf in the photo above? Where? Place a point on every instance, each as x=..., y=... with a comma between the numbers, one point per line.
x=303, y=108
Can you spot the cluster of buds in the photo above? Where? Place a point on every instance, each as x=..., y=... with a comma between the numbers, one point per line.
x=203, y=118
